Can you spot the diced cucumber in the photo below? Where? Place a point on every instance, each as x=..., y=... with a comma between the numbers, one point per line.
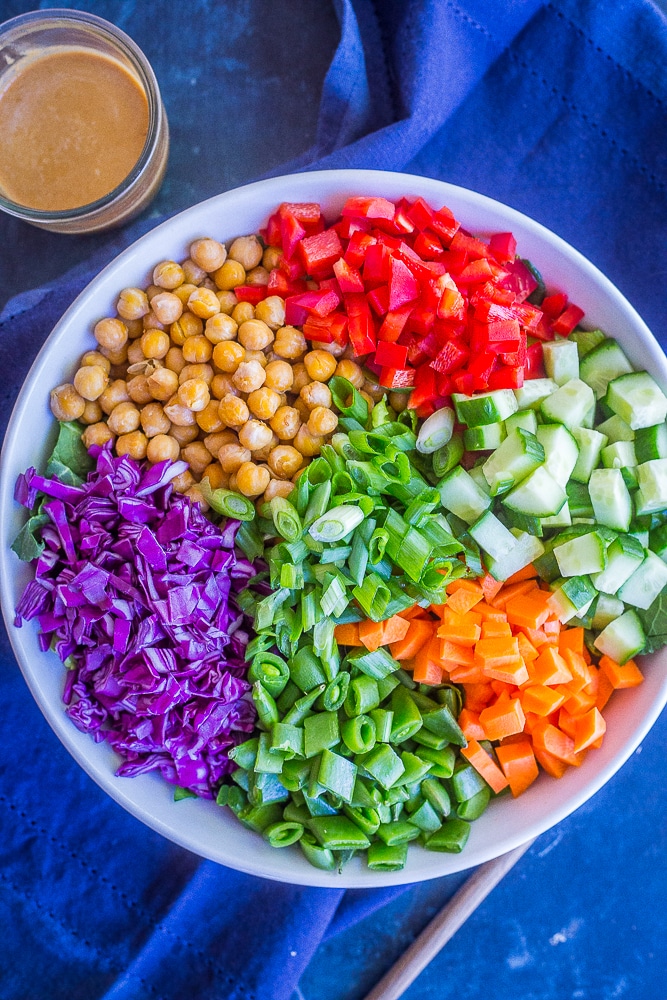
x=533, y=392
x=638, y=399
x=641, y=534
x=579, y=500
x=492, y=536
x=560, y=451
x=604, y=363
x=571, y=597
x=616, y=429
x=611, y=499
x=460, y=493
x=477, y=473
x=586, y=340
x=561, y=360
x=652, y=492
x=525, y=551
x=607, y=608
x=590, y=443
x=583, y=555
x=622, y=638
x=624, y=556
x=569, y=404
x=486, y=437
x=524, y=522
x=651, y=443
x=642, y=588
x=515, y=458
x=538, y=494
x=486, y=408
x=589, y=418
x=658, y=541
x=525, y=419
x=620, y=455
x=546, y=564
x=560, y=520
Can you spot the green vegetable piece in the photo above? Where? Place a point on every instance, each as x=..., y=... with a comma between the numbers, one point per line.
x=283, y=833
x=383, y=720
x=69, y=461
x=287, y=740
x=359, y=733
x=451, y=837
x=385, y=858
x=415, y=769
x=426, y=818
x=183, y=793
x=442, y=761
x=473, y=807
x=295, y=773
x=258, y=818
x=466, y=782
x=271, y=670
x=442, y=723
x=245, y=754
x=338, y=833
x=337, y=774
x=321, y=732
x=306, y=669
x=302, y=706
x=397, y=832
x=227, y=502
x=363, y=696
x=319, y=857
x=267, y=710
x=436, y=793
x=267, y=762
x=383, y=764
x=407, y=717
x=365, y=817
x=336, y=692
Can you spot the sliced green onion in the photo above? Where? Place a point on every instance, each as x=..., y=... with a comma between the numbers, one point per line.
x=286, y=519
x=336, y=554
x=378, y=544
x=449, y=456
x=341, y=444
x=366, y=504
x=342, y=483
x=381, y=414
x=266, y=609
x=227, y=502
x=318, y=503
x=394, y=466
x=291, y=576
x=422, y=505
x=375, y=664
x=367, y=476
x=271, y=670
x=336, y=523
x=336, y=692
x=436, y=431
x=249, y=539
x=310, y=609
x=373, y=596
x=348, y=400
x=336, y=461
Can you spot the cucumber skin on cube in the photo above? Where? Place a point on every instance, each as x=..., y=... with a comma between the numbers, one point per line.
x=615, y=429
x=572, y=596
x=527, y=549
x=533, y=392
x=602, y=365
x=647, y=581
x=583, y=555
x=561, y=360
x=622, y=638
x=651, y=443
x=607, y=607
x=460, y=494
x=538, y=494
x=611, y=498
x=638, y=399
x=486, y=408
x=652, y=492
x=525, y=419
x=590, y=443
x=620, y=455
x=485, y=437
x=492, y=536
x=514, y=459
x=586, y=340
x=561, y=451
x=569, y=405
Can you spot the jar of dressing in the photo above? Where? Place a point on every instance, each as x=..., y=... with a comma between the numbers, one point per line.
x=85, y=138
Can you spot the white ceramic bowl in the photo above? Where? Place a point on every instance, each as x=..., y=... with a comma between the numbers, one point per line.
x=201, y=826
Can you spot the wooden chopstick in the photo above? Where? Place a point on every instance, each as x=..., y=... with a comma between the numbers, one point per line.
x=444, y=925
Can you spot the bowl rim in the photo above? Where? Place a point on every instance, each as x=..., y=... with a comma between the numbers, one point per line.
x=348, y=179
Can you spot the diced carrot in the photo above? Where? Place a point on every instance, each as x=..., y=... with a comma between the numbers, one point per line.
x=519, y=765
x=605, y=690
x=515, y=673
x=552, y=765
x=477, y=696
x=536, y=636
x=370, y=634
x=467, y=675
x=489, y=613
x=348, y=634
x=498, y=652
x=550, y=667
x=427, y=672
x=463, y=634
x=576, y=664
x=548, y=737
x=461, y=655
x=417, y=635
x=571, y=638
x=526, y=649
x=502, y=719
x=541, y=700
x=512, y=591
x=579, y=702
x=493, y=629
x=470, y=724
x=490, y=587
x=566, y=722
x=464, y=598
x=450, y=617
x=594, y=684
x=394, y=629
x=526, y=573
x=529, y=610
x=588, y=730
x=412, y=612
x=484, y=765
x=552, y=629
x=626, y=676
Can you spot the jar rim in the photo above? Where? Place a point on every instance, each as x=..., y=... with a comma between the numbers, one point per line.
x=56, y=17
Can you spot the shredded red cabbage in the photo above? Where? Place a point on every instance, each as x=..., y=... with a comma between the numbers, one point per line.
x=135, y=592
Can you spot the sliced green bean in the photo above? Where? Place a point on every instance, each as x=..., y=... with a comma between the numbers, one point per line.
x=338, y=833
x=362, y=696
x=283, y=834
x=473, y=807
x=407, y=717
x=337, y=774
x=359, y=733
x=386, y=858
x=318, y=856
x=397, y=832
x=321, y=732
x=451, y=837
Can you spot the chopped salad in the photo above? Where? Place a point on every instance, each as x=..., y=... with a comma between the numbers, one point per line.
x=352, y=526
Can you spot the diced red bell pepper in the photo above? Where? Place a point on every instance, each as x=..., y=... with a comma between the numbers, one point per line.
x=464, y=382
x=317, y=303
x=425, y=388
x=451, y=303
x=534, y=367
x=543, y=330
x=520, y=279
x=477, y=271
x=444, y=225
x=503, y=335
x=503, y=247
x=391, y=355
x=378, y=299
x=349, y=278
x=454, y=261
x=428, y=246
x=506, y=377
x=251, y=293
x=567, y=320
x=293, y=267
x=369, y=208
x=401, y=223
x=528, y=315
x=346, y=228
x=331, y=329
x=517, y=359
x=480, y=367
x=377, y=265
x=473, y=247
x=422, y=270
x=291, y=233
x=553, y=305
x=272, y=234
x=397, y=378
x=403, y=286
x=355, y=254
x=420, y=214
x=451, y=357
x=308, y=213
x=394, y=323
x=280, y=284
x=320, y=252
x=421, y=320
x=360, y=326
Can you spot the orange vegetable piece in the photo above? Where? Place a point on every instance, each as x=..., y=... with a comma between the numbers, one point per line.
x=501, y=651
x=464, y=634
x=581, y=674
x=579, y=702
x=588, y=730
x=490, y=587
x=477, y=696
x=515, y=673
x=347, y=635
x=566, y=722
x=504, y=718
x=493, y=629
x=370, y=634
x=465, y=597
x=550, y=667
x=489, y=613
x=460, y=674
x=526, y=649
x=519, y=765
x=394, y=629
x=571, y=638
x=461, y=655
x=605, y=690
x=529, y=609
x=512, y=590
x=527, y=573
x=450, y=617
x=541, y=700
x=419, y=632
x=484, y=765
x=626, y=676
x=552, y=739
x=427, y=672
x=552, y=765
x=470, y=725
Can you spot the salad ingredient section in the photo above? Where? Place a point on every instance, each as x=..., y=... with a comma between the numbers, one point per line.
x=439, y=501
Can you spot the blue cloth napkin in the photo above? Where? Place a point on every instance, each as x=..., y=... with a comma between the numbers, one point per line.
x=557, y=109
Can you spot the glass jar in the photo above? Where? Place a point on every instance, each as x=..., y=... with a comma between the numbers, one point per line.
x=24, y=40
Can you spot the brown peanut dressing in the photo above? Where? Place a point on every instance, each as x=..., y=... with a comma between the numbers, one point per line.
x=73, y=124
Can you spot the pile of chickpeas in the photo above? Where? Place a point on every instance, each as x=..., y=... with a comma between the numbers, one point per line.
x=187, y=371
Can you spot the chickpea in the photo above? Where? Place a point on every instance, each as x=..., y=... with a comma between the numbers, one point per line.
x=188, y=325
x=300, y=377
x=375, y=391
x=228, y=355
x=183, y=482
x=132, y=303
x=204, y=303
x=255, y=335
x=320, y=365
x=193, y=273
x=162, y=384
x=227, y=300
x=184, y=434
x=138, y=390
x=229, y=276
x=124, y=418
x=257, y=276
x=307, y=443
x=154, y=343
x=214, y=442
x=162, y=448
x=279, y=376
x=181, y=416
x=242, y=312
x=263, y=403
x=232, y=482
x=216, y=477
x=316, y=394
x=278, y=488
x=95, y=358
x=208, y=254
x=233, y=411
x=154, y=420
x=335, y=350
x=201, y=371
x=194, y=394
x=66, y=403
x=153, y=290
x=197, y=350
x=134, y=444
x=221, y=385
x=284, y=461
x=135, y=327
x=98, y=434
x=247, y=250
x=271, y=258
x=134, y=353
x=302, y=409
x=92, y=413
x=220, y=328
x=398, y=401
x=255, y=434
x=251, y=479
x=249, y=376
x=110, y=333
x=91, y=381
x=262, y=454
x=232, y=457
x=167, y=307
x=322, y=421
x=197, y=456
x=174, y=360
x=285, y=423
x=259, y=356
x=209, y=418
x=196, y=495
x=351, y=371
x=290, y=343
x=115, y=393
x=184, y=291
x=168, y=274
x=271, y=311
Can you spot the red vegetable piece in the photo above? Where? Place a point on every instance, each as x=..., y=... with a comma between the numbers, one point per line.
x=280, y=284
x=503, y=334
x=479, y=270
x=425, y=388
x=396, y=378
x=428, y=246
x=451, y=303
x=534, y=367
x=519, y=280
x=503, y=246
x=444, y=225
x=393, y=323
x=506, y=377
x=403, y=286
x=553, y=305
x=357, y=247
x=420, y=214
x=452, y=357
x=369, y=208
x=567, y=320
x=320, y=252
x=377, y=265
x=272, y=234
x=391, y=355
x=472, y=246
x=360, y=326
x=251, y=293
x=293, y=267
x=308, y=213
x=463, y=382
x=291, y=233
x=331, y=329
x=378, y=299
x=349, y=277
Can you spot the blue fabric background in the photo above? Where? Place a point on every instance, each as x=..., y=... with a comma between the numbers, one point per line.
x=557, y=109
